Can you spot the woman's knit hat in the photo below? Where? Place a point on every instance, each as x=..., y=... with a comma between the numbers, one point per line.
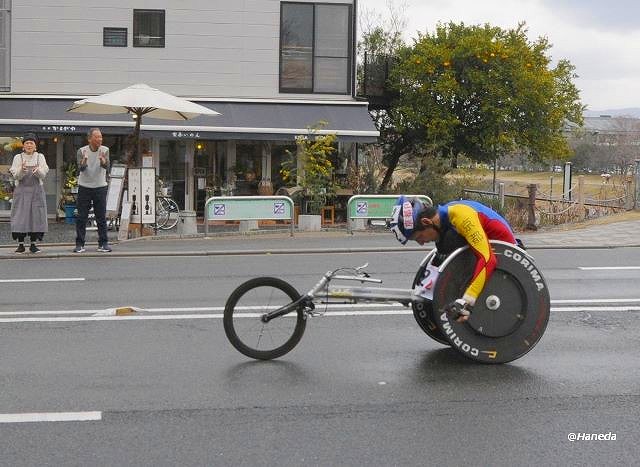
x=30, y=137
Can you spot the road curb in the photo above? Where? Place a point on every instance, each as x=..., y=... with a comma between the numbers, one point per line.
x=291, y=251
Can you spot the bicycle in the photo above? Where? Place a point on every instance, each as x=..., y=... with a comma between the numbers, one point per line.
x=265, y=317
x=167, y=213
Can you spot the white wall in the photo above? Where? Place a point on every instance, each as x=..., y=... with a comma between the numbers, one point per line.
x=213, y=48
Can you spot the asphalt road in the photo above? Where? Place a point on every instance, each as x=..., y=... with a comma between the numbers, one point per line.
x=367, y=389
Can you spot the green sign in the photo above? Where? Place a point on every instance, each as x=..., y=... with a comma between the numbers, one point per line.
x=249, y=208
x=375, y=206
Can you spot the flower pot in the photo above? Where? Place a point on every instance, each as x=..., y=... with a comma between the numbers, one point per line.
x=265, y=188
x=69, y=213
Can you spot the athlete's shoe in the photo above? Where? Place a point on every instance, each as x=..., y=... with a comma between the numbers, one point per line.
x=20, y=249
x=104, y=248
x=79, y=249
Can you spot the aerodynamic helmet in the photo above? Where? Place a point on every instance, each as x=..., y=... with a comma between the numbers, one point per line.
x=405, y=217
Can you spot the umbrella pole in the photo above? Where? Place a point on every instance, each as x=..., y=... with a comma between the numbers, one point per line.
x=137, y=137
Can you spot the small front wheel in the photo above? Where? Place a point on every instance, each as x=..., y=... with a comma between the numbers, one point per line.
x=243, y=324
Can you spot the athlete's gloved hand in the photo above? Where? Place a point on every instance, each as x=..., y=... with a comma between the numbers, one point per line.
x=459, y=310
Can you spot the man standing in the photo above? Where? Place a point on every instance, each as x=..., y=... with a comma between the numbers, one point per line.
x=93, y=165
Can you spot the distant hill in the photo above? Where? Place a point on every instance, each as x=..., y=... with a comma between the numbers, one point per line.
x=630, y=112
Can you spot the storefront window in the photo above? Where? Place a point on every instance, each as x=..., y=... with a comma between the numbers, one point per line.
x=210, y=164
x=248, y=167
x=173, y=169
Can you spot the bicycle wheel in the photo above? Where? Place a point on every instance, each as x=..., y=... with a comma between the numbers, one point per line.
x=162, y=214
x=248, y=333
x=173, y=214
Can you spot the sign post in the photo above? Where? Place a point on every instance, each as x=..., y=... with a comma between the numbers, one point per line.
x=246, y=208
x=375, y=206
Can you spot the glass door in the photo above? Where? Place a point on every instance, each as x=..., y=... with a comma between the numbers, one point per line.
x=172, y=170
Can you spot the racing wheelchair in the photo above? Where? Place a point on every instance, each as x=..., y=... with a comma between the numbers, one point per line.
x=265, y=317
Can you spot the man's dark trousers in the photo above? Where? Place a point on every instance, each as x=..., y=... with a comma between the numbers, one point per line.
x=97, y=197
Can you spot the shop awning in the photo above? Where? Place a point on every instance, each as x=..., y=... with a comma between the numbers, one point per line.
x=268, y=120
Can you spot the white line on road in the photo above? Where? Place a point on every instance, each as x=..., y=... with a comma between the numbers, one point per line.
x=50, y=417
x=332, y=306
x=607, y=268
x=58, y=279
x=402, y=311
x=108, y=311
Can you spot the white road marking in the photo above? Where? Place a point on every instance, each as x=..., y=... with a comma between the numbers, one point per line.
x=108, y=311
x=50, y=417
x=57, y=279
x=332, y=306
x=607, y=268
x=188, y=316
x=598, y=300
x=596, y=308
x=48, y=312
x=353, y=312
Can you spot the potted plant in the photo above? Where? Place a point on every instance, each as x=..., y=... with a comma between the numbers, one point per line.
x=316, y=177
x=69, y=191
x=6, y=192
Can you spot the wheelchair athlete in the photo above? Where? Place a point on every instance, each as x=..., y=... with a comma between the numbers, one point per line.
x=451, y=226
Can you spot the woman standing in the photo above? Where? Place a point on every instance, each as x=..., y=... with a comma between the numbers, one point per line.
x=29, y=208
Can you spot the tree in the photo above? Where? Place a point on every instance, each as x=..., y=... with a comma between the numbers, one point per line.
x=316, y=176
x=610, y=149
x=482, y=91
x=378, y=50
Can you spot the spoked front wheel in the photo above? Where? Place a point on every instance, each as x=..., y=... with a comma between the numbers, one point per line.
x=244, y=326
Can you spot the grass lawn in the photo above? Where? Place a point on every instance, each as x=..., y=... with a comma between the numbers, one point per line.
x=550, y=182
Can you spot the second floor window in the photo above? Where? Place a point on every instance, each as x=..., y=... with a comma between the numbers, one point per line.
x=315, y=48
x=148, y=28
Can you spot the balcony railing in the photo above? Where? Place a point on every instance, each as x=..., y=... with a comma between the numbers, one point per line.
x=373, y=83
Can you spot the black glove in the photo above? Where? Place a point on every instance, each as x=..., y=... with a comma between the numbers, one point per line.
x=458, y=310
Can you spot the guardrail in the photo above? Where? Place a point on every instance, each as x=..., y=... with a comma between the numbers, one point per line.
x=248, y=208
x=375, y=206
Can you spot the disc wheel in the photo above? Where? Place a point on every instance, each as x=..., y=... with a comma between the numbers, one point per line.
x=510, y=315
x=423, y=314
x=243, y=324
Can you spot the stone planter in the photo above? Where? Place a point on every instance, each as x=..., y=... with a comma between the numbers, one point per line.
x=358, y=224
x=309, y=222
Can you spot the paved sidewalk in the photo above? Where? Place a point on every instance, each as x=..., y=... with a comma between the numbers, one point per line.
x=617, y=234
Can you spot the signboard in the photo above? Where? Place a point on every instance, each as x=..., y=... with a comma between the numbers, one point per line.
x=142, y=195
x=372, y=207
x=113, y=195
x=376, y=206
x=148, y=193
x=135, y=191
x=123, y=232
x=114, y=192
x=256, y=209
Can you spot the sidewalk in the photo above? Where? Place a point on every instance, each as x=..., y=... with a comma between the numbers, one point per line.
x=610, y=235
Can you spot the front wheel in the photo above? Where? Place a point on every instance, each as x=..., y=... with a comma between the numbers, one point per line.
x=243, y=324
x=170, y=214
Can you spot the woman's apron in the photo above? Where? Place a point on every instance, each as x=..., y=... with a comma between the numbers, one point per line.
x=29, y=207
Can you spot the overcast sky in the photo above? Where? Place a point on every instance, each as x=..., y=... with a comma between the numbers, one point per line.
x=601, y=38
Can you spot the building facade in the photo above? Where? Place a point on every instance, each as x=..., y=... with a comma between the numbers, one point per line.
x=271, y=68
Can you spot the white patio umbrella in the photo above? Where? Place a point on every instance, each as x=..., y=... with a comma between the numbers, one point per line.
x=140, y=100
